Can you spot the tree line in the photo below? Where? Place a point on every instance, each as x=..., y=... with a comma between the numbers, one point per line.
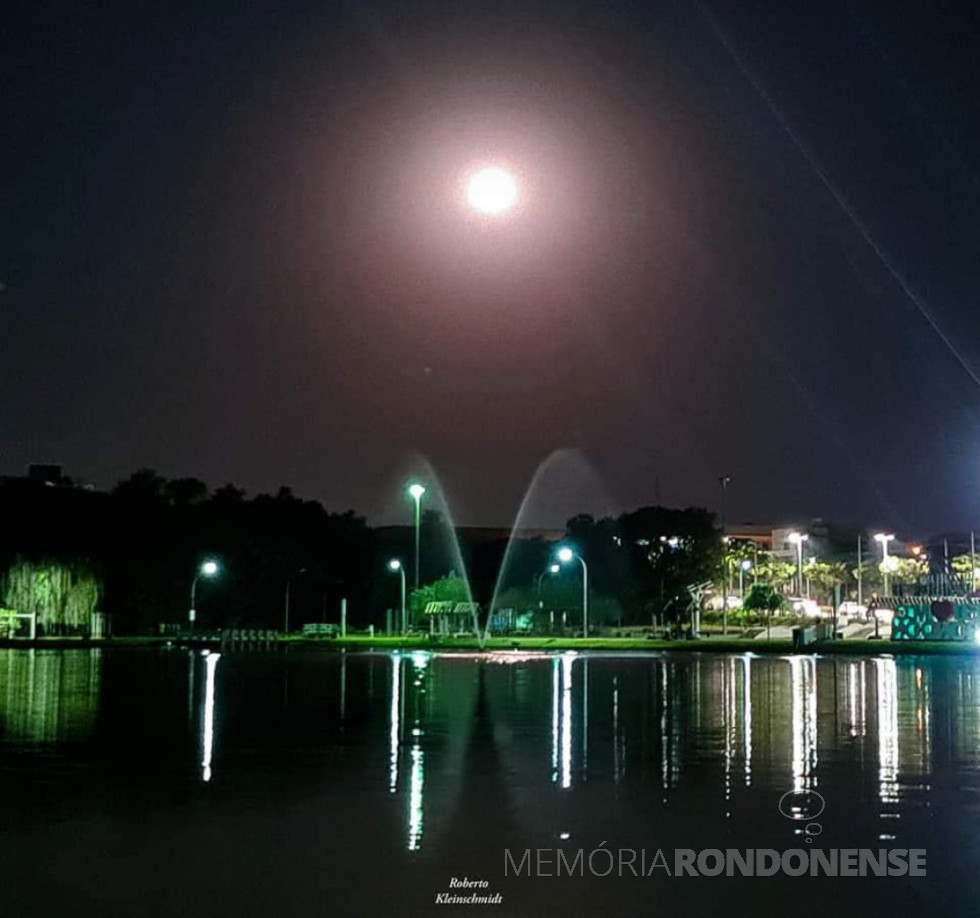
x=132, y=552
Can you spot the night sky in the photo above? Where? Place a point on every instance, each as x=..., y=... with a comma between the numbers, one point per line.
x=234, y=247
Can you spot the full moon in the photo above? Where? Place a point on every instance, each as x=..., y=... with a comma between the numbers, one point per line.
x=491, y=190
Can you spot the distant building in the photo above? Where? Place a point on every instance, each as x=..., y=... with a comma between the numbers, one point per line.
x=761, y=536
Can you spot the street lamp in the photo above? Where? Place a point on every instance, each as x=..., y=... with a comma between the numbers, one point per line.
x=810, y=562
x=285, y=616
x=417, y=490
x=208, y=569
x=550, y=569
x=798, y=539
x=883, y=538
x=724, y=481
x=564, y=556
x=395, y=565
x=743, y=566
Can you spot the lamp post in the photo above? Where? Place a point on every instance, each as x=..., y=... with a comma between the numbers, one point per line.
x=417, y=490
x=860, y=572
x=973, y=562
x=723, y=481
x=550, y=569
x=810, y=562
x=207, y=569
x=395, y=565
x=744, y=565
x=883, y=538
x=798, y=538
x=285, y=614
x=564, y=556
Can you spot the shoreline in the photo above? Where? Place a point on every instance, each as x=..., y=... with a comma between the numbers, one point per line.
x=726, y=645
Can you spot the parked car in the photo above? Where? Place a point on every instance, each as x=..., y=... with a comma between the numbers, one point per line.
x=851, y=609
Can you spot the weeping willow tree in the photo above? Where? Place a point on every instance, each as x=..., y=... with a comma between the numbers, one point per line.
x=64, y=595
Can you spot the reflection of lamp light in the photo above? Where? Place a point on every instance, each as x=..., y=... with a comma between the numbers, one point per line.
x=417, y=776
x=566, y=720
x=394, y=733
x=207, y=736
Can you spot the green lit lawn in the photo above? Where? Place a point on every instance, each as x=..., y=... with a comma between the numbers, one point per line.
x=710, y=645
x=423, y=642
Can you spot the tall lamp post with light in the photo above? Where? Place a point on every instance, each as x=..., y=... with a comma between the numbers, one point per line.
x=551, y=569
x=207, y=569
x=798, y=538
x=394, y=565
x=724, y=481
x=564, y=556
x=416, y=491
x=883, y=538
x=743, y=566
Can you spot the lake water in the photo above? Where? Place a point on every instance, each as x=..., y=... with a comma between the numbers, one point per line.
x=282, y=783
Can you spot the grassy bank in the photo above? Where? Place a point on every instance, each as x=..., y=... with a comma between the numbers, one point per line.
x=703, y=645
x=855, y=647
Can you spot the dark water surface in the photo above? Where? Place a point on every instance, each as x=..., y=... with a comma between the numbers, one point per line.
x=152, y=783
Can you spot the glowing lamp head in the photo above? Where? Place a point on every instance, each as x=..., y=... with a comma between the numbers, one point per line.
x=554, y=568
x=209, y=568
x=565, y=555
x=394, y=564
x=416, y=490
x=491, y=191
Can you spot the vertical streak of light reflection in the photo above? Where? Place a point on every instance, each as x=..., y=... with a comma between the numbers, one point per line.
x=615, y=711
x=395, y=722
x=886, y=674
x=207, y=735
x=804, y=722
x=566, y=720
x=417, y=776
x=665, y=774
x=555, y=715
x=923, y=720
x=728, y=709
x=747, y=718
x=585, y=718
x=343, y=685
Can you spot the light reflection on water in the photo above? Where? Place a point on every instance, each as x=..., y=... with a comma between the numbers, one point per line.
x=560, y=743
x=773, y=707
x=47, y=696
x=207, y=726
